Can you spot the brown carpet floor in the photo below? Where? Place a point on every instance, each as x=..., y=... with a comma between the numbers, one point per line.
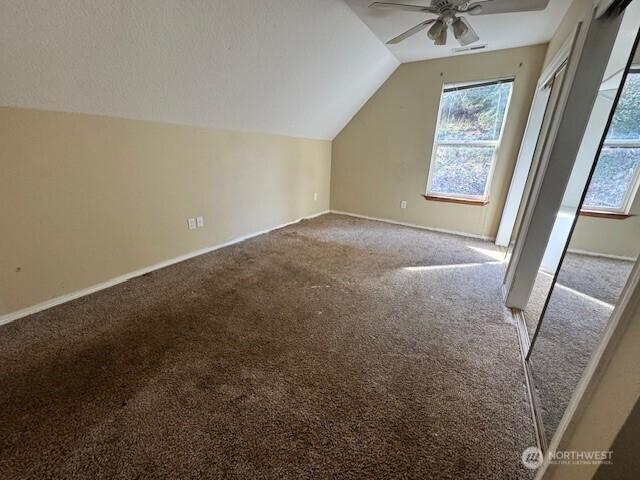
x=309, y=352
x=572, y=327
x=597, y=277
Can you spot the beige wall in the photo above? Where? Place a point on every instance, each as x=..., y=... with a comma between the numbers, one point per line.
x=625, y=447
x=618, y=237
x=382, y=156
x=86, y=198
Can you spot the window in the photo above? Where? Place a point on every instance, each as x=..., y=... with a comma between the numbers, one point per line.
x=470, y=125
x=615, y=180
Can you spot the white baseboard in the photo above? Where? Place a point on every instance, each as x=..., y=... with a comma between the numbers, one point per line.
x=602, y=255
x=422, y=227
x=10, y=317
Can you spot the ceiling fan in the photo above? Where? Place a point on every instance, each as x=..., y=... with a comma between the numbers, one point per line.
x=450, y=13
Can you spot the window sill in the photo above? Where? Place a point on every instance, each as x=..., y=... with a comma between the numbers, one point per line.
x=463, y=201
x=610, y=215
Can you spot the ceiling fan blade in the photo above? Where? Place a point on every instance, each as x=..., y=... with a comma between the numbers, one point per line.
x=402, y=6
x=411, y=31
x=506, y=6
x=469, y=36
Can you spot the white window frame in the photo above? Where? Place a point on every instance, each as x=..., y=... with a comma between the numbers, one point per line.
x=635, y=183
x=473, y=143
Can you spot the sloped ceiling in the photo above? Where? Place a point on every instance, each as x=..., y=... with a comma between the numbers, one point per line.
x=292, y=67
x=505, y=30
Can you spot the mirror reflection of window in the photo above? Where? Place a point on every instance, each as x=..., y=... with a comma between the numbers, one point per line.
x=612, y=189
x=615, y=180
x=600, y=255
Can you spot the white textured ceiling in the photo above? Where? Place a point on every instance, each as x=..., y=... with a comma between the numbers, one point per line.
x=505, y=30
x=292, y=67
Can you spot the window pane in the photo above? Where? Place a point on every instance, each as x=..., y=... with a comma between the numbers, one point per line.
x=461, y=170
x=625, y=124
x=473, y=113
x=613, y=176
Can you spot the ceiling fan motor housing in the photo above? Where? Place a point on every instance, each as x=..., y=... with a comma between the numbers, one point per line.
x=443, y=5
x=440, y=4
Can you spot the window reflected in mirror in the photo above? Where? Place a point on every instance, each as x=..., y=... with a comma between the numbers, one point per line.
x=593, y=268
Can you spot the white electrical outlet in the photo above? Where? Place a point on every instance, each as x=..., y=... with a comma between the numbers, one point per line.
x=191, y=222
x=200, y=221
x=403, y=204
x=315, y=197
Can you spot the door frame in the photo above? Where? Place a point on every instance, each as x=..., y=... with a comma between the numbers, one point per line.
x=516, y=193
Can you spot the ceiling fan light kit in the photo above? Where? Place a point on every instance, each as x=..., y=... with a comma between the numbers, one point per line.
x=436, y=30
x=459, y=28
x=449, y=15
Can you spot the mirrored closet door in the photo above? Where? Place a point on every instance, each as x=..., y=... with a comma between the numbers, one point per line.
x=594, y=242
